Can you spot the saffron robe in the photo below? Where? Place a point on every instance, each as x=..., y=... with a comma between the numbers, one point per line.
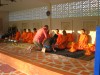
x=81, y=44
x=62, y=41
x=23, y=36
x=29, y=38
x=17, y=36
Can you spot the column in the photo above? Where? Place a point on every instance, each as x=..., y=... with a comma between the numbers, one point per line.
x=97, y=53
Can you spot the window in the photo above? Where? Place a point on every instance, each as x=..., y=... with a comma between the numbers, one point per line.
x=76, y=9
x=30, y=14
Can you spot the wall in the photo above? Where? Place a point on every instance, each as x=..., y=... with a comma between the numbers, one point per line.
x=68, y=24
x=5, y=21
x=29, y=24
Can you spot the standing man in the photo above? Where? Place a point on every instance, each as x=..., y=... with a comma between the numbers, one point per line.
x=40, y=36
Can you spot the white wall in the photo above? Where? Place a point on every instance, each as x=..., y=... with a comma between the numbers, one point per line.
x=5, y=20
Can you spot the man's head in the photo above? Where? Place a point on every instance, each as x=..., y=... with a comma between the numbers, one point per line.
x=57, y=31
x=64, y=32
x=46, y=27
x=34, y=29
x=82, y=31
x=29, y=30
x=24, y=30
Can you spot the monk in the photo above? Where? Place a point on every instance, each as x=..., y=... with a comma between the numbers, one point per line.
x=92, y=47
x=62, y=41
x=29, y=37
x=82, y=43
x=59, y=35
x=70, y=40
x=17, y=35
x=57, y=32
x=34, y=32
x=23, y=36
x=70, y=37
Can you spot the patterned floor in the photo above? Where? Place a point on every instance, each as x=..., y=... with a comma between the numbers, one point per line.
x=5, y=69
x=71, y=65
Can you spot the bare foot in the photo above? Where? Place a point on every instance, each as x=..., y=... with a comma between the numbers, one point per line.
x=43, y=50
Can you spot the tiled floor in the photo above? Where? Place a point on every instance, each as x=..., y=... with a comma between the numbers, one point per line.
x=5, y=69
x=71, y=65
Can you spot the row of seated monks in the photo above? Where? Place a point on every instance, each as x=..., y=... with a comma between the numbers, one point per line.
x=27, y=37
x=64, y=40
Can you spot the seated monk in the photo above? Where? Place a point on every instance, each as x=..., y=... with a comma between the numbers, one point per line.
x=29, y=37
x=59, y=35
x=82, y=43
x=92, y=47
x=34, y=32
x=57, y=32
x=62, y=41
x=17, y=35
x=70, y=39
x=23, y=35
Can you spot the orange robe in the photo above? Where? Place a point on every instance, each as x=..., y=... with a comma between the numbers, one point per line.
x=59, y=36
x=70, y=39
x=33, y=37
x=92, y=47
x=23, y=36
x=34, y=34
x=58, y=39
x=62, y=41
x=29, y=37
x=81, y=45
x=83, y=41
x=17, y=36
